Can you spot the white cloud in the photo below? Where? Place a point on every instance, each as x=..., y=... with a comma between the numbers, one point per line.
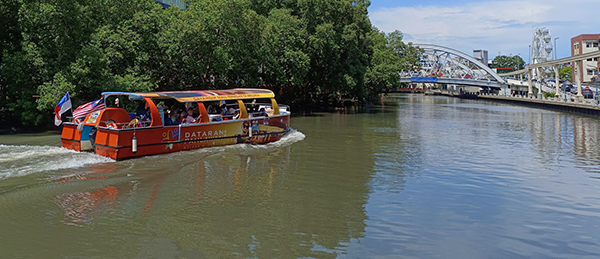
x=497, y=26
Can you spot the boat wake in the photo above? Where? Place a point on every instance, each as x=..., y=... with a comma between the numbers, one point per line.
x=288, y=139
x=24, y=160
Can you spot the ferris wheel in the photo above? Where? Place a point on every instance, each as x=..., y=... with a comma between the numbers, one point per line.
x=542, y=46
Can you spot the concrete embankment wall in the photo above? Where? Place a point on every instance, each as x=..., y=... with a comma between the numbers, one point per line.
x=588, y=106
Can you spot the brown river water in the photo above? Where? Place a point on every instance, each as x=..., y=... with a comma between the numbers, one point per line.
x=411, y=177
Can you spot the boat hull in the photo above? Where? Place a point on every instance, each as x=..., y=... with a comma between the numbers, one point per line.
x=117, y=143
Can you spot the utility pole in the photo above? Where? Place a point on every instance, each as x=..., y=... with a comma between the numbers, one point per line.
x=555, y=47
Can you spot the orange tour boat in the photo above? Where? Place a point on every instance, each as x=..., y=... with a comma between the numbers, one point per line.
x=139, y=124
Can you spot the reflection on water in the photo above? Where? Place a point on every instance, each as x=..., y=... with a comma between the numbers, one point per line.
x=510, y=179
x=417, y=176
x=80, y=206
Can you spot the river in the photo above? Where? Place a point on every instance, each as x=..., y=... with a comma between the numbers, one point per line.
x=413, y=177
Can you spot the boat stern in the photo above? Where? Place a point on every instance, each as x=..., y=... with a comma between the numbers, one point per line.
x=71, y=137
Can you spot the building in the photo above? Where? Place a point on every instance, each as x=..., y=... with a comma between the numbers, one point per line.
x=168, y=3
x=481, y=55
x=582, y=44
x=503, y=70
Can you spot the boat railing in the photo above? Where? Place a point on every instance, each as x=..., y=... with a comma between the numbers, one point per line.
x=138, y=123
x=265, y=109
x=111, y=124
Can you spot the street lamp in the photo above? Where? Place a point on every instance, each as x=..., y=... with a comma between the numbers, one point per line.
x=566, y=90
x=529, y=58
x=596, y=79
x=555, y=47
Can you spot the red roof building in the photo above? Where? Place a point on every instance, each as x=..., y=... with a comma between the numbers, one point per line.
x=582, y=44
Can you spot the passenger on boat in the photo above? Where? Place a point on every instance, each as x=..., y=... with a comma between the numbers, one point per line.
x=262, y=113
x=171, y=111
x=223, y=110
x=236, y=115
x=190, y=116
x=211, y=109
x=253, y=107
x=161, y=111
x=117, y=102
x=182, y=117
x=224, y=113
x=141, y=111
x=174, y=115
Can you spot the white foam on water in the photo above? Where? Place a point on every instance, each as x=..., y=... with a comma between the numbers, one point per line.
x=24, y=160
x=288, y=139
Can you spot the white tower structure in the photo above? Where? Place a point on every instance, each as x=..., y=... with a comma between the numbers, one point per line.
x=542, y=47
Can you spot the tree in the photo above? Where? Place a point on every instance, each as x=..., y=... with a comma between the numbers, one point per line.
x=515, y=62
x=565, y=73
x=338, y=48
x=390, y=56
x=307, y=51
x=10, y=40
x=285, y=62
x=87, y=47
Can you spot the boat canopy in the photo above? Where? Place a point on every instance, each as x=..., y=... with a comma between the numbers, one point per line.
x=202, y=95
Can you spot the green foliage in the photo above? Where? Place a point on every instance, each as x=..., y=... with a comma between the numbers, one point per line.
x=515, y=62
x=10, y=39
x=566, y=73
x=20, y=105
x=286, y=64
x=549, y=95
x=390, y=55
x=307, y=51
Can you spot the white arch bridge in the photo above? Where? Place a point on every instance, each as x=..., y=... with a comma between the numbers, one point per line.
x=444, y=65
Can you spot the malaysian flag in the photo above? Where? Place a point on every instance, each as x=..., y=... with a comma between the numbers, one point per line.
x=88, y=108
x=63, y=106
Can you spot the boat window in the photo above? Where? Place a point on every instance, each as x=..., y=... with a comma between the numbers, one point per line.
x=123, y=112
x=261, y=108
x=170, y=110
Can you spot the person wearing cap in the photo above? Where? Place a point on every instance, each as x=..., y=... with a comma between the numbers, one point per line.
x=190, y=116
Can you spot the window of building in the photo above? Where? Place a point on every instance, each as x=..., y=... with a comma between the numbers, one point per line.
x=590, y=72
x=576, y=45
x=595, y=59
x=589, y=59
x=595, y=44
x=588, y=44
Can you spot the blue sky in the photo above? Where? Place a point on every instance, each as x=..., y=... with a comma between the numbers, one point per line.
x=501, y=27
x=375, y=4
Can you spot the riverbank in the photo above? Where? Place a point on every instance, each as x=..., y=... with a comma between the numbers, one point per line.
x=560, y=103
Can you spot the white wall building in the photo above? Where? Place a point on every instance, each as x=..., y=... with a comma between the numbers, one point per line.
x=582, y=44
x=481, y=55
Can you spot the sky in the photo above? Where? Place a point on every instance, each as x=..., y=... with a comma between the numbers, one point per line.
x=500, y=27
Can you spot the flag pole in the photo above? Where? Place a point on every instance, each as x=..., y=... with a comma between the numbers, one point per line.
x=71, y=107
